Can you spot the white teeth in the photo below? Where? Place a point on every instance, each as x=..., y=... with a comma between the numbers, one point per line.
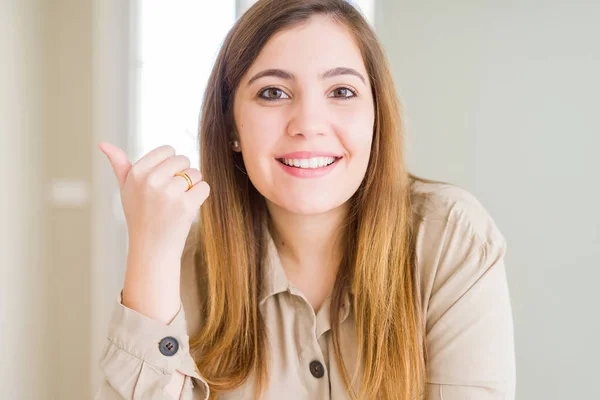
x=310, y=163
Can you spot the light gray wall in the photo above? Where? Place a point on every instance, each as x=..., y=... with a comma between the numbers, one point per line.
x=502, y=98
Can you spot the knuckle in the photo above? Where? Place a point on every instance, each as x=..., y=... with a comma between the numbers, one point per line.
x=153, y=180
x=203, y=190
x=184, y=160
x=195, y=175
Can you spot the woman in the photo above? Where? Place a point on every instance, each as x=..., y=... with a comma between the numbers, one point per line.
x=320, y=267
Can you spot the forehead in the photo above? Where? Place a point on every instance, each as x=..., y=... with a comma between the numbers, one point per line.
x=316, y=45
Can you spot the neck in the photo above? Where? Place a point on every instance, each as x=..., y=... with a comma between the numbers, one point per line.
x=308, y=243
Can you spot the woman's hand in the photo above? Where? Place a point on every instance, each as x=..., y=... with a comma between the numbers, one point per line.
x=159, y=210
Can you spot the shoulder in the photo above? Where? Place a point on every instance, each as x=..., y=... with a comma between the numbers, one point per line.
x=457, y=244
x=442, y=206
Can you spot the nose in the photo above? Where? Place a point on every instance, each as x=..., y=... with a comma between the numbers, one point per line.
x=309, y=117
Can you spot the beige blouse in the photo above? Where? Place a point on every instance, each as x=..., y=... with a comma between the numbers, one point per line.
x=465, y=298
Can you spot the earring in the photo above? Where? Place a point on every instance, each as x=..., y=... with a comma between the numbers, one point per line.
x=235, y=144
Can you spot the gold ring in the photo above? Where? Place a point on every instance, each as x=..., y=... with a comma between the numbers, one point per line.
x=187, y=178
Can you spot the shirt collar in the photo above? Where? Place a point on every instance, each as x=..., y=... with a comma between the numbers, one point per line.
x=274, y=279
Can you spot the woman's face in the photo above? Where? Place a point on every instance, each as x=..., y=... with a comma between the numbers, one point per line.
x=306, y=101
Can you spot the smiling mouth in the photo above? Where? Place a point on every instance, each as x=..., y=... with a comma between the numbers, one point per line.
x=309, y=163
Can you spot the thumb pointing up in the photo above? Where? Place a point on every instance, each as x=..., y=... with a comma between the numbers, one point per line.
x=118, y=160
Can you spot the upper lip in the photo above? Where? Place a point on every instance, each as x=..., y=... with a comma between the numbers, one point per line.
x=298, y=155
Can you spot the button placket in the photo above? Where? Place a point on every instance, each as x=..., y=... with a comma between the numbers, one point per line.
x=311, y=350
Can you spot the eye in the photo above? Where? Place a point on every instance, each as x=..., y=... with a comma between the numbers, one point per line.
x=272, y=93
x=344, y=93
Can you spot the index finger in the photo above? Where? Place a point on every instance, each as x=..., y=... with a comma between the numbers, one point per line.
x=153, y=158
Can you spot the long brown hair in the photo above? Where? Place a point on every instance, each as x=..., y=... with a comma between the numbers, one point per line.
x=379, y=262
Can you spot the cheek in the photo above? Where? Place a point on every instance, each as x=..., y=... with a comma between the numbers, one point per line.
x=357, y=128
x=259, y=132
x=259, y=126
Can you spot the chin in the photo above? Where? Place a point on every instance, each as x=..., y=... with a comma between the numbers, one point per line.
x=308, y=209
x=309, y=205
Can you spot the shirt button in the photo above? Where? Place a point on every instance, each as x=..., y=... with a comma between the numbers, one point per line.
x=316, y=369
x=168, y=346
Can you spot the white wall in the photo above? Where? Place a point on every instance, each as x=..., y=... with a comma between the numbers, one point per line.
x=502, y=99
x=23, y=321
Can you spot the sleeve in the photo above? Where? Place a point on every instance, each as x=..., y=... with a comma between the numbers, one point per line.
x=469, y=337
x=132, y=362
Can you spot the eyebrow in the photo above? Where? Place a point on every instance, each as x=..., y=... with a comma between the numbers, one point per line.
x=280, y=73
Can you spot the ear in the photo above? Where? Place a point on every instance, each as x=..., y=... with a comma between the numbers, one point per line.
x=235, y=146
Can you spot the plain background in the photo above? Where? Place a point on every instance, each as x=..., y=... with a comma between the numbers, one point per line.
x=500, y=98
